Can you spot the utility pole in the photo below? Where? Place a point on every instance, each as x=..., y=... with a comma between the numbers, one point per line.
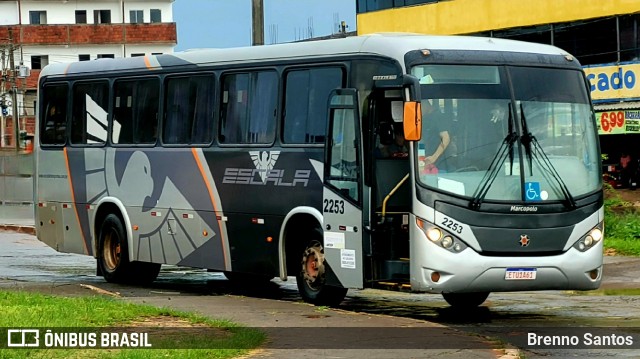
x=257, y=23
x=14, y=93
x=3, y=108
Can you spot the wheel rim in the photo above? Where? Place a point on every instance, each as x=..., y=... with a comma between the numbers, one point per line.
x=313, y=266
x=111, y=251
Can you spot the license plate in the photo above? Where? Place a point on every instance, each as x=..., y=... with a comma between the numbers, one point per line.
x=520, y=274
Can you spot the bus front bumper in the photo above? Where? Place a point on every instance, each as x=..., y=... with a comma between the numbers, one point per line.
x=440, y=270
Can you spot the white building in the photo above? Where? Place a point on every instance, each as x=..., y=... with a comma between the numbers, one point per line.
x=54, y=31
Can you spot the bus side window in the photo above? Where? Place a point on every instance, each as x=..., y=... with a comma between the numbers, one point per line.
x=306, y=95
x=189, y=106
x=89, y=113
x=136, y=111
x=249, y=103
x=54, y=119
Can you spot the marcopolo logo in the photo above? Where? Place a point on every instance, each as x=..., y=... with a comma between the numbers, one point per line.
x=524, y=209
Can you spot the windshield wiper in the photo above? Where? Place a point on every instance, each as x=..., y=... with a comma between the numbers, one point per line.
x=496, y=163
x=543, y=161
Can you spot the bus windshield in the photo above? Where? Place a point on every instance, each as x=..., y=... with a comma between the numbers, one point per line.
x=507, y=133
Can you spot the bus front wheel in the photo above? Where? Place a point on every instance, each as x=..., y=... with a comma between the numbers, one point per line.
x=465, y=300
x=113, y=256
x=311, y=278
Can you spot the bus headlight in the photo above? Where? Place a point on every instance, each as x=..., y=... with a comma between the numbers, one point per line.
x=440, y=237
x=590, y=239
x=434, y=234
x=447, y=242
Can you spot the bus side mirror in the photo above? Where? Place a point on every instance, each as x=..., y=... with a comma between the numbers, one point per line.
x=412, y=121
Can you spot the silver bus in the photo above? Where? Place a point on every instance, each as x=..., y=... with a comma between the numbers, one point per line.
x=452, y=165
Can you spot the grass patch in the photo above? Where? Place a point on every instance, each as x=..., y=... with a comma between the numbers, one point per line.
x=621, y=292
x=165, y=326
x=622, y=225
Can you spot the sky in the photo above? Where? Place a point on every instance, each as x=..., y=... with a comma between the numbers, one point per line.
x=227, y=23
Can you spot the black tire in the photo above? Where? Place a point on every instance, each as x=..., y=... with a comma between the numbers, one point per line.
x=113, y=256
x=311, y=277
x=465, y=300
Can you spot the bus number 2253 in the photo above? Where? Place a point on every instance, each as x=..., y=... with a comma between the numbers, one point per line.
x=452, y=225
x=334, y=206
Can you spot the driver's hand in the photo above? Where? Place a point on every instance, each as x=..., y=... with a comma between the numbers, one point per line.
x=429, y=160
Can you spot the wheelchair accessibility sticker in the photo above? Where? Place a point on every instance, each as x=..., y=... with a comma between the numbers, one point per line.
x=533, y=193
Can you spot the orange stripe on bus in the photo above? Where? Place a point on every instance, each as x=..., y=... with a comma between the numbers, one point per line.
x=213, y=202
x=73, y=200
x=148, y=63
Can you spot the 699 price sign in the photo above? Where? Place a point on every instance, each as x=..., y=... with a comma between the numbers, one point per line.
x=612, y=122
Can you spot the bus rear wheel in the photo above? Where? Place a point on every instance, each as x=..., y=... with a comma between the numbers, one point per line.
x=465, y=300
x=113, y=256
x=311, y=278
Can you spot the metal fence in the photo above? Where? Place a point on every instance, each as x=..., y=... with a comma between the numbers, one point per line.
x=16, y=186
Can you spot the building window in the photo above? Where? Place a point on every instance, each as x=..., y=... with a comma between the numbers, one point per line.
x=106, y=56
x=189, y=110
x=136, y=16
x=540, y=34
x=156, y=15
x=248, y=113
x=306, y=96
x=374, y=5
x=81, y=16
x=38, y=17
x=102, y=16
x=39, y=62
x=629, y=37
x=592, y=41
x=84, y=57
x=137, y=55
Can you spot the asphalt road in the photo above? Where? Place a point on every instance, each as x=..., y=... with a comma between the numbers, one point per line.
x=28, y=264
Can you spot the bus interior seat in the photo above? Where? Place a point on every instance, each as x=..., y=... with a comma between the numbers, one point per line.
x=388, y=173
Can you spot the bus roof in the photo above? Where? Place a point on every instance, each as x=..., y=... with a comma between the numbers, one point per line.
x=394, y=45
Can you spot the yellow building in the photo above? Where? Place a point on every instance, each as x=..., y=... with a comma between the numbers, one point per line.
x=604, y=35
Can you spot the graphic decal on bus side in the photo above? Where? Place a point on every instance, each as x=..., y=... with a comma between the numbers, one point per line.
x=264, y=162
x=163, y=196
x=264, y=172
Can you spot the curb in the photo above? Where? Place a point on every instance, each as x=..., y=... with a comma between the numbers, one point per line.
x=18, y=228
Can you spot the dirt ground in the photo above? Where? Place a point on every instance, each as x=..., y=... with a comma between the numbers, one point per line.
x=627, y=195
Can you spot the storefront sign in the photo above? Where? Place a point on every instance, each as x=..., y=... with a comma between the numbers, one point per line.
x=618, y=122
x=614, y=82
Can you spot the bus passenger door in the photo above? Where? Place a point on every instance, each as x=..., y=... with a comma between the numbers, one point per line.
x=342, y=192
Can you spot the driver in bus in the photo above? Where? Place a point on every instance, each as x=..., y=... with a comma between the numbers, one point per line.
x=399, y=148
x=436, y=135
